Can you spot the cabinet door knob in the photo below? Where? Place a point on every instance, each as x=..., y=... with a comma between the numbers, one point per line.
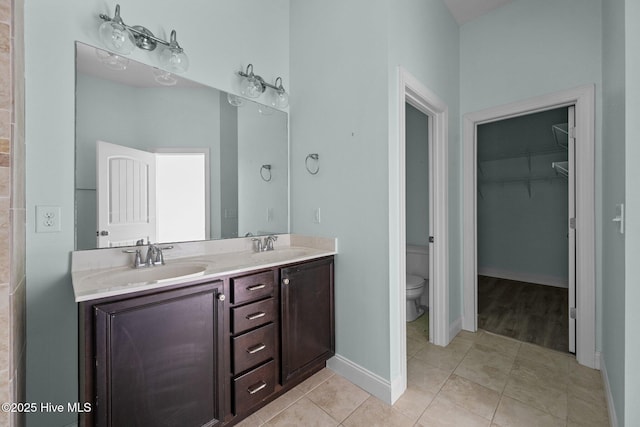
x=221, y=297
x=285, y=281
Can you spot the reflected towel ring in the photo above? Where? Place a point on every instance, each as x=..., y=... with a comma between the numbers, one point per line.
x=262, y=173
x=315, y=157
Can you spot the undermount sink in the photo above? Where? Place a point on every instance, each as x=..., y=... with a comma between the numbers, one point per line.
x=155, y=274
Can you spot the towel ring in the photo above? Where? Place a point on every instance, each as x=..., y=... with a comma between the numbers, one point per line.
x=262, y=173
x=315, y=157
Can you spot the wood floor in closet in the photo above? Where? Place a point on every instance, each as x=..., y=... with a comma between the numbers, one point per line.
x=525, y=311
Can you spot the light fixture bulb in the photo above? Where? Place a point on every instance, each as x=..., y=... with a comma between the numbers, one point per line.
x=116, y=37
x=280, y=99
x=174, y=60
x=173, y=57
x=251, y=87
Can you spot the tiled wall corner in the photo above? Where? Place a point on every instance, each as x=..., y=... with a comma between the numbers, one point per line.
x=12, y=209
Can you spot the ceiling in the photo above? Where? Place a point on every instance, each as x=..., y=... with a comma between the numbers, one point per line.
x=467, y=10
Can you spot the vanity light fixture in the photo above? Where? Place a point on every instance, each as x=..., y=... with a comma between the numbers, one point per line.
x=253, y=86
x=122, y=38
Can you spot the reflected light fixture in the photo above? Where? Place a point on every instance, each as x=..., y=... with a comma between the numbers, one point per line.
x=253, y=86
x=164, y=77
x=122, y=38
x=235, y=100
x=111, y=60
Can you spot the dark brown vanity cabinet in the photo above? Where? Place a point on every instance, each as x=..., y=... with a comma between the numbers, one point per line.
x=157, y=358
x=254, y=339
x=187, y=356
x=307, y=308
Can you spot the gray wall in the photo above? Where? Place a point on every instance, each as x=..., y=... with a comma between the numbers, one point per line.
x=613, y=180
x=417, y=164
x=344, y=59
x=522, y=229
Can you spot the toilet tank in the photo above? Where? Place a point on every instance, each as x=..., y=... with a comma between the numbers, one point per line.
x=418, y=260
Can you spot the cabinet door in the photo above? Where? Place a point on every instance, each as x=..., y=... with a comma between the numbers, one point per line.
x=307, y=316
x=157, y=359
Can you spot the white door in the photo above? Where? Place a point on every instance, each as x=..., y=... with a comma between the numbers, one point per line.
x=126, y=186
x=572, y=228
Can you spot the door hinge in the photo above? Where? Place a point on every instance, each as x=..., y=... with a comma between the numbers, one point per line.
x=572, y=132
x=572, y=312
x=430, y=239
x=572, y=223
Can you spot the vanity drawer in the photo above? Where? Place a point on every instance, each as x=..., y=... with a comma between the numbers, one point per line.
x=253, y=315
x=253, y=387
x=253, y=287
x=253, y=348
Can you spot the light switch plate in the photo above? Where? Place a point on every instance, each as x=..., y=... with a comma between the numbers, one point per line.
x=48, y=219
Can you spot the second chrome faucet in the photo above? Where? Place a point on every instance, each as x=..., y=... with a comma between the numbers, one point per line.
x=260, y=245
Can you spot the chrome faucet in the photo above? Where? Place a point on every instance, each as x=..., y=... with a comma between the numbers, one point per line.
x=154, y=255
x=263, y=245
x=257, y=244
x=268, y=243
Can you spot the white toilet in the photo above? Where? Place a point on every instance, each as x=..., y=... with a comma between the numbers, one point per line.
x=417, y=281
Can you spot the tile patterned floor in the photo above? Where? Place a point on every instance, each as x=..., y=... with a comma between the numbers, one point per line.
x=479, y=379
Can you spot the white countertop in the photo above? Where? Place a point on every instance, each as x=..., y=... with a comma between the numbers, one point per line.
x=103, y=273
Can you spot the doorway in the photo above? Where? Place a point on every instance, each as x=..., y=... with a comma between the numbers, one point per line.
x=418, y=204
x=412, y=91
x=583, y=99
x=525, y=242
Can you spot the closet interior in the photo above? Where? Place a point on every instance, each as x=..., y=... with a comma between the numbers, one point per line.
x=522, y=223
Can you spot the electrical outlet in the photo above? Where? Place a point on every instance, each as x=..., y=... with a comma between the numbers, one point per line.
x=47, y=219
x=316, y=216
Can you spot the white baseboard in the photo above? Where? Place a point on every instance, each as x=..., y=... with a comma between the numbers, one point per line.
x=611, y=407
x=454, y=328
x=365, y=379
x=539, y=279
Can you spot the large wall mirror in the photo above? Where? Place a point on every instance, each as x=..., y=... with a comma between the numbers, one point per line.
x=163, y=159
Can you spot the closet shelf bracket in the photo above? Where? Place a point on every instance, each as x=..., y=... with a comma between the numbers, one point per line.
x=562, y=168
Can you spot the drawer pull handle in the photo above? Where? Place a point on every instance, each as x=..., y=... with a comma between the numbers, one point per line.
x=256, y=349
x=257, y=315
x=256, y=287
x=256, y=387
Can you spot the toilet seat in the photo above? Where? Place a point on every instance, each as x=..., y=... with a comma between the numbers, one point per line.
x=414, y=282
